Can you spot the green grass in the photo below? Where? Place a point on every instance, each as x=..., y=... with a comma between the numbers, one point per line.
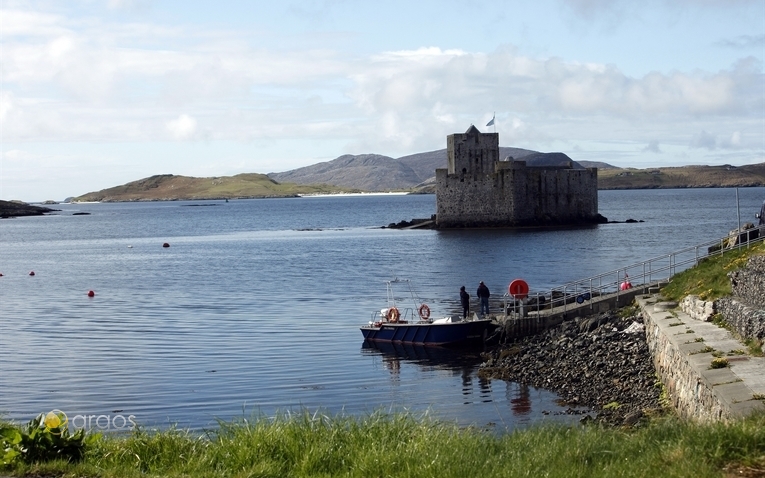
x=382, y=445
x=709, y=279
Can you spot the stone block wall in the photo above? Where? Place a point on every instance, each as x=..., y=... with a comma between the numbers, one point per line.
x=748, y=322
x=555, y=196
x=698, y=309
x=745, y=310
x=748, y=284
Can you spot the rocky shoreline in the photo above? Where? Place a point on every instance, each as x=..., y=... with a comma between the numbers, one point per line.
x=600, y=362
x=10, y=209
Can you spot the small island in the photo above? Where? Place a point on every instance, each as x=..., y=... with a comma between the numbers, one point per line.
x=10, y=209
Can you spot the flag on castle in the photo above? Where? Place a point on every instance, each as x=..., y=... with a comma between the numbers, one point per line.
x=492, y=120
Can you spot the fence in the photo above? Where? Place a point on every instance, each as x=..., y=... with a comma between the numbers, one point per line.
x=642, y=275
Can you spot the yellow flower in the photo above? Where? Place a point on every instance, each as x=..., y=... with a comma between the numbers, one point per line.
x=52, y=420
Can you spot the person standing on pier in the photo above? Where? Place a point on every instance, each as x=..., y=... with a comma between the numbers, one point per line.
x=465, y=300
x=483, y=294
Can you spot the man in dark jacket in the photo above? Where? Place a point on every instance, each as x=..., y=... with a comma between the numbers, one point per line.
x=465, y=300
x=483, y=294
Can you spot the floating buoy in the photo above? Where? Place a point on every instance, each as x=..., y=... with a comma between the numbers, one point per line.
x=130, y=247
x=626, y=284
x=31, y=273
x=91, y=293
x=165, y=245
x=1, y=274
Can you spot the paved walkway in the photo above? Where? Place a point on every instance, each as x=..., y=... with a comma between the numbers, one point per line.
x=741, y=385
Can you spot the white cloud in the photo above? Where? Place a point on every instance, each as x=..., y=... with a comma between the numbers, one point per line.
x=704, y=140
x=732, y=142
x=17, y=22
x=652, y=147
x=183, y=127
x=743, y=42
x=127, y=4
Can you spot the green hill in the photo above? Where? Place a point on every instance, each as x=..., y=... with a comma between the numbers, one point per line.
x=724, y=176
x=169, y=187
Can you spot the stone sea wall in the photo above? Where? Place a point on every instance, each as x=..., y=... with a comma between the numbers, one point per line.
x=681, y=348
x=690, y=395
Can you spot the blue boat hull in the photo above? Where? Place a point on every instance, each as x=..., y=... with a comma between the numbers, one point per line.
x=430, y=334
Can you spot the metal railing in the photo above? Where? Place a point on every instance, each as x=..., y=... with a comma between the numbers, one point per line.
x=642, y=275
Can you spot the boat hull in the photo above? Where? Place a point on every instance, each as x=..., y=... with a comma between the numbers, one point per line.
x=453, y=333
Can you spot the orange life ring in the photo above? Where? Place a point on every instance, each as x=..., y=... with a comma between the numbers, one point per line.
x=393, y=315
x=424, y=312
x=518, y=288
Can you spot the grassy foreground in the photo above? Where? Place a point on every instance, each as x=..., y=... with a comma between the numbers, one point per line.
x=385, y=445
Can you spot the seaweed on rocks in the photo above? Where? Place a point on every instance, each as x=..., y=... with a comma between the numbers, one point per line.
x=601, y=362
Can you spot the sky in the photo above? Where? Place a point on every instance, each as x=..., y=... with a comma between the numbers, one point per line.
x=98, y=93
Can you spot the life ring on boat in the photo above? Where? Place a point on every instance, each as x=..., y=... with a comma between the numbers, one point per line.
x=424, y=312
x=393, y=315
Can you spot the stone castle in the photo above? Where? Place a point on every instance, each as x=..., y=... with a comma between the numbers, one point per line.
x=478, y=190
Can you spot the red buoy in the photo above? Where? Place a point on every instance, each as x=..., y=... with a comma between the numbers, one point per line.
x=32, y=273
x=518, y=288
x=91, y=293
x=165, y=245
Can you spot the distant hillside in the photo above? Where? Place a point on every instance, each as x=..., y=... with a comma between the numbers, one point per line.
x=416, y=173
x=683, y=177
x=597, y=164
x=374, y=172
x=166, y=187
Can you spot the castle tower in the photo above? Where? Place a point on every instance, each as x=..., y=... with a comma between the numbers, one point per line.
x=472, y=153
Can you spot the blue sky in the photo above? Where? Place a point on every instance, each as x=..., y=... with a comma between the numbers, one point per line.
x=97, y=93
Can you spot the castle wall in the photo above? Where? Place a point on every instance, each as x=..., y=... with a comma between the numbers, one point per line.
x=516, y=196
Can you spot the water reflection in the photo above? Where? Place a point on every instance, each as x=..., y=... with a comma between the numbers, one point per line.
x=519, y=396
x=520, y=401
x=458, y=362
x=454, y=359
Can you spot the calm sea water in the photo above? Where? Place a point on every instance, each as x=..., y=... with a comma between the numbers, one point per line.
x=256, y=304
